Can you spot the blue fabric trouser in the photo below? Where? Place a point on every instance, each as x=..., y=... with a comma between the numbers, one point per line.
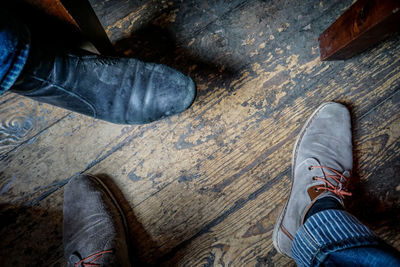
x=14, y=49
x=336, y=238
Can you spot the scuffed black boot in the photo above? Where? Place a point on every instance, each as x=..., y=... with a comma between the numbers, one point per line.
x=95, y=230
x=119, y=90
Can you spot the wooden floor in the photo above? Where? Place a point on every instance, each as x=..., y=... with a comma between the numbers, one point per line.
x=204, y=188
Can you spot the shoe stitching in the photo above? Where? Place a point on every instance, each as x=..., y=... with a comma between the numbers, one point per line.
x=68, y=92
x=287, y=232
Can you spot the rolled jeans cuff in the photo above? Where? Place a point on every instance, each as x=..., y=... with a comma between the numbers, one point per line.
x=14, y=50
x=328, y=231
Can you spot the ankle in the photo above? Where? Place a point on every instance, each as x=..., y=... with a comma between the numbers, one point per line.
x=325, y=203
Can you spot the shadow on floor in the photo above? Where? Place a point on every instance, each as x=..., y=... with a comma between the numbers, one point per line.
x=141, y=243
x=376, y=201
x=27, y=232
x=157, y=44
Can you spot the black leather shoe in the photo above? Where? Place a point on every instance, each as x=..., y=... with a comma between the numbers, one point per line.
x=119, y=90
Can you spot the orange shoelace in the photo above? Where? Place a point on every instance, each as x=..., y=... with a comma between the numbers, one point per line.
x=339, y=178
x=96, y=256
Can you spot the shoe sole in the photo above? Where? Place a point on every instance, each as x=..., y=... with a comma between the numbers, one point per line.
x=294, y=153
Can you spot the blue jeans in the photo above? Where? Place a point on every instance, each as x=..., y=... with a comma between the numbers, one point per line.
x=14, y=49
x=336, y=238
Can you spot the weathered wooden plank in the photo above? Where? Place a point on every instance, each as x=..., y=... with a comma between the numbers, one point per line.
x=22, y=119
x=189, y=18
x=121, y=18
x=243, y=237
x=35, y=170
x=228, y=39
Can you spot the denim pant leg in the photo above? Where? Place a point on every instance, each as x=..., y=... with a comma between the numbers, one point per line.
x=336, y=238
x=380, y=255
x=14, y=49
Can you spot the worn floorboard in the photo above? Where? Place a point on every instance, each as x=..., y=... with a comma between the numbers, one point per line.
x=23, y=119
x=204, y=188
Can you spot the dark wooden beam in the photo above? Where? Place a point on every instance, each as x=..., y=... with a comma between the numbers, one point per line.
x=55, y=9
x=80, y=15
x=363, y=25
x=84, y=15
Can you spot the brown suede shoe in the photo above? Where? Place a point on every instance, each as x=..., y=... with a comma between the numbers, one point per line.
x=95, y=229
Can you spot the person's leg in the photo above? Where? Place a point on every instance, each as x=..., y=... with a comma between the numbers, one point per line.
x=14, y=49
x=313, y=227
x=335, y=238
x=94, y=229
x=378, y=255
x=115, y=89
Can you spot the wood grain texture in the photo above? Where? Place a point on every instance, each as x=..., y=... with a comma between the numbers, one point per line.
x=121, y=18
x=205, y=187
x=23, y=119
x=39, y=168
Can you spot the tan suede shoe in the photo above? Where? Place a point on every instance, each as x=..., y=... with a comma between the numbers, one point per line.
x=321, y=165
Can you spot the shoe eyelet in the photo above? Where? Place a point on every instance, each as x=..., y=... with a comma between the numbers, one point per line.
x=316, y=189
x=310, y=168
x=314, y=178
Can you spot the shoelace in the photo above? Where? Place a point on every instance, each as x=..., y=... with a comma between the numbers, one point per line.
x=339, y=178
x=96, y=256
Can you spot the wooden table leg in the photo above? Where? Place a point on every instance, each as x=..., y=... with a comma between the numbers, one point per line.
x=364, y=24
x=87, y=20
x=81, y=15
